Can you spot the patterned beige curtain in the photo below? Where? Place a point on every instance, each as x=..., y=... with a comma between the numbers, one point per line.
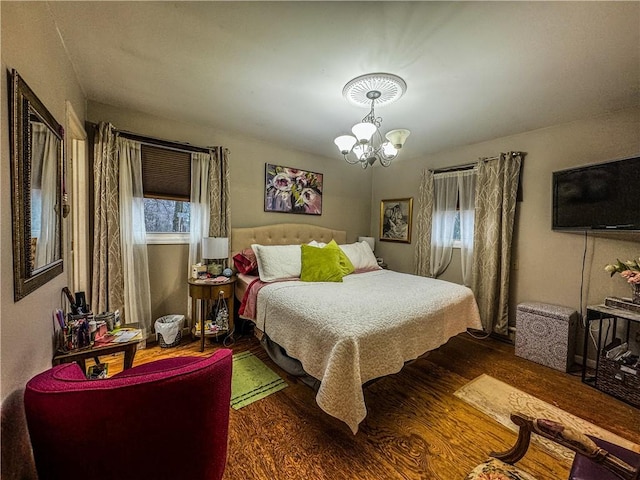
x=107, y=285
x=220, y=205
x=422, y=254
x=496, y=190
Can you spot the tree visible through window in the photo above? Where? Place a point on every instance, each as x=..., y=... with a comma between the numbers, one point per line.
x=166, y=216
x=456, y=228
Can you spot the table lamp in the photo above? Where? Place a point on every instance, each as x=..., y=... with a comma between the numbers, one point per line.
x=215, y=248
x=370, y=240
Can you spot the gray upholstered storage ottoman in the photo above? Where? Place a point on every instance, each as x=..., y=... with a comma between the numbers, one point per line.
x=546, y=334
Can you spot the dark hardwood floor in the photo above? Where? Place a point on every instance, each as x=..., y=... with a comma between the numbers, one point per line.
x=415, y=427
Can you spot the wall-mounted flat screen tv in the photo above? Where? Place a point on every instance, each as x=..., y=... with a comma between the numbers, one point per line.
x=603, y=196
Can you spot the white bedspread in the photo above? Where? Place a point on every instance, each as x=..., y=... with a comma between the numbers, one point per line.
x=346, y=334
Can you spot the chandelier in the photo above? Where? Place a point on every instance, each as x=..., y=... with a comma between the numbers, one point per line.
x=367, y=144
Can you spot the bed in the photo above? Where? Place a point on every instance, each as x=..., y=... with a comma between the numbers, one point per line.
x=345, y=334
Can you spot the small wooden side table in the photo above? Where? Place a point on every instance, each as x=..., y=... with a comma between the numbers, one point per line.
x=129, y=349
x=210, y=292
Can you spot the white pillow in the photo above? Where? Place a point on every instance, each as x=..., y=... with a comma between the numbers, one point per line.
x=278, y=262
x=361, y=256
x=313, y=243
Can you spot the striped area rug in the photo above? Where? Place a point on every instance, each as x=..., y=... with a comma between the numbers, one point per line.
x=252, y=380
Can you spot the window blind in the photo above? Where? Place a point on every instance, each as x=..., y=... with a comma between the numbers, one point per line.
x=166, y=173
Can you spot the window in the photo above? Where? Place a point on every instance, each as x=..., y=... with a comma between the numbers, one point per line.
x=457, y=239
x=166, y=182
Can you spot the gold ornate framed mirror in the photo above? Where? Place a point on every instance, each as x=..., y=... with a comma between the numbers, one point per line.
x=36, y=183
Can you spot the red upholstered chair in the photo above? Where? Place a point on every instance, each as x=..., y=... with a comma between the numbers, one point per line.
x=167, y=419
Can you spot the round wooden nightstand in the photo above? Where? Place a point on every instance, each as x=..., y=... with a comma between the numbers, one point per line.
x=208, y=292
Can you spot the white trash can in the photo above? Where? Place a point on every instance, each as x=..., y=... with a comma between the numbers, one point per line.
x=169, y=330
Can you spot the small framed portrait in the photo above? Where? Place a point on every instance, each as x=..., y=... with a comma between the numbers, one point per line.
x=291, y=190
x=395, y=220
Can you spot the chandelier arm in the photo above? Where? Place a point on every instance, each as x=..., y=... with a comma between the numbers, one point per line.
x=385, y=162
x=349, y=161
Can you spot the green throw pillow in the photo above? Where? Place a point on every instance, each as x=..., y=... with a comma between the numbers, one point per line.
x=320, y=265
x=345, y=264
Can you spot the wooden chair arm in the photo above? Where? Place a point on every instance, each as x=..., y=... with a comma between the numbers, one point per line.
x=518, y=451
x=567, y=437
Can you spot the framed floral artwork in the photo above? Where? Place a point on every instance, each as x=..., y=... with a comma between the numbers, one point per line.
x=395, y=220
x=291, y=190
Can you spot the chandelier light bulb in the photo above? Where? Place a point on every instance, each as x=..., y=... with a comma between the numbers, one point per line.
x=345, y=143
x=364, y=131
x=389, y=150
x=360, y=151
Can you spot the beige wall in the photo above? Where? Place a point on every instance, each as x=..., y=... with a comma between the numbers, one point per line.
x=548, y=263
x=346, y=199
x=31, y=45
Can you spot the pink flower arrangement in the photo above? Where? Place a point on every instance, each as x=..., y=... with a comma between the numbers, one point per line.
x=630, y=270
x=631, y=276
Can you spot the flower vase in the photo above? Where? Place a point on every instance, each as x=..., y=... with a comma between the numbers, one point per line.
x=635, y=297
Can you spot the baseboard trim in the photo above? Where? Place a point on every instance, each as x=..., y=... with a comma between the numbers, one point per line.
x=579, y=360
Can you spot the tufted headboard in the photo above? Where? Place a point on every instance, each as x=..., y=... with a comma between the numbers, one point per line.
x=283, y=234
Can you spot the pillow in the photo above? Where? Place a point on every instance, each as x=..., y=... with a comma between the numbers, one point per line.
x=320, y=264
x=313, y=243
x=361, y=256
x=246, y=262
x=345, y=264
x=277, y=262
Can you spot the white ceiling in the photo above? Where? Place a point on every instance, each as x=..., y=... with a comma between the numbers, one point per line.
x=275, y=70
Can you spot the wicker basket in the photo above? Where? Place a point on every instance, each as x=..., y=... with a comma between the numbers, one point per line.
x=619, y=380
x=164, y=344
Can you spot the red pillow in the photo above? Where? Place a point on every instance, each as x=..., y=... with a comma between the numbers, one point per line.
x=245, y=262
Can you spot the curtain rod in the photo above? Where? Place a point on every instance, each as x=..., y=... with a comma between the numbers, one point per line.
x=457, y=168
x=469, y=166
x=156, y=142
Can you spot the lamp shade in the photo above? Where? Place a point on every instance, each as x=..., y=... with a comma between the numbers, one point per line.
x=398, y=137
x=370, y=240
x=364, y=131
x=389, y=150
x=215, y=247
x=344, y=143
x=360, y=151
